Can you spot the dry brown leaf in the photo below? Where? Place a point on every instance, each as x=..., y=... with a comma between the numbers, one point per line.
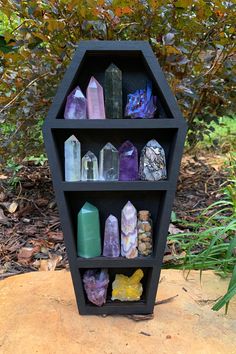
x=3, y=218
x=12, y=208
x=173, y=230
x=55, y=235
x=49, y=264
x=26, y=253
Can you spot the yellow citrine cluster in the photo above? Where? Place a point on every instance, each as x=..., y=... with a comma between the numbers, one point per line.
x=127, y=288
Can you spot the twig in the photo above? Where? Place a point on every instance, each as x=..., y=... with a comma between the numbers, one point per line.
x=23, y=90
x=165, y=301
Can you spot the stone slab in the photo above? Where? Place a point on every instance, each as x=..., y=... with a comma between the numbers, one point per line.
x=39, y=315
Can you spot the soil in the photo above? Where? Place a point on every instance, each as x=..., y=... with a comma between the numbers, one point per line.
x=30, y=234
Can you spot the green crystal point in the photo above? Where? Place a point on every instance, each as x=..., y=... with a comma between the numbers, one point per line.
x=88, y=236
x=113, y=92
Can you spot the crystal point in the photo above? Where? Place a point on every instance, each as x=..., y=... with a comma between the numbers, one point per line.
x=128, y=162
x=95, y=98
x=88, y=235
x=76, y=105
x=129, y=240
x=109, y=163
x=72, y=159
x=111, y=237
x=127, y=288
x=113, y=92
x=89, y=167
x=152, y=162
x=95, y=285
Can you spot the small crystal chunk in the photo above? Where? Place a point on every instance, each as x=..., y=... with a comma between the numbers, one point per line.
x=95, y=98
x=72, y=159
x=111, y=246
x=152, y=162
x=89, y=167
x=109, y=163
x=95, y=285
x=76, y=105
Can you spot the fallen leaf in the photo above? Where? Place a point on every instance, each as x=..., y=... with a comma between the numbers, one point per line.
x=49, y=264
x=55, y=236
x=26, y=253
x=173, y=230
x=12, y=208
x=3, y=218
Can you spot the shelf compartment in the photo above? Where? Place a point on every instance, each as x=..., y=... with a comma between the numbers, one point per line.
x=99, y=262
x=91, y=140
x=135, y=74
x=112, y=202
x=110, y=305
x=162, y=185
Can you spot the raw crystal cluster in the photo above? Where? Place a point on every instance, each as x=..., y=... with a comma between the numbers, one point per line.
x=113, y=92
x=144, y=233
x=129, y=240
x=88, y=235
x=95, y=285
x=111, y=246
x=127, y=288
x=76, y=105
x=152, y=162
x=128, y=162
x=72, y=159
x=89, y=167
x=141, y=103
x=109, y=163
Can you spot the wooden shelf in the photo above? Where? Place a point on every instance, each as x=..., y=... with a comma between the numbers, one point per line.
x=114, y=123
x=115, y=307
x=104, y=262
x=116, y=186
x=138, y=65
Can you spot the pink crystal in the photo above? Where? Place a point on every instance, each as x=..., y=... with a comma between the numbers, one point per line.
x=95, y=98
x=111, y=238
x=75, y=105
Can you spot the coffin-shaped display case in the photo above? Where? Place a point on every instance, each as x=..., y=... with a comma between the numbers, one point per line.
x=138, y=64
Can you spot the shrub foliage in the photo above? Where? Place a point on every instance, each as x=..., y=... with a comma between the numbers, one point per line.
x=194, y=41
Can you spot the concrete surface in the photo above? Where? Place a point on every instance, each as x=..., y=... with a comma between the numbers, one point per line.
x=39, y=315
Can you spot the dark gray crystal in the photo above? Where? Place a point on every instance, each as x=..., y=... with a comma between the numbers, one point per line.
x=152, y=162
x=113, y=92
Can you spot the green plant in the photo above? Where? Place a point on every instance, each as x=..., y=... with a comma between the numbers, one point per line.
x=212, y=243
x=193, y=40
x=38, y=160
x=14, y=168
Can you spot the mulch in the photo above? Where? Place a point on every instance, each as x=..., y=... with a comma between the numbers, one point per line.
x=30, y=234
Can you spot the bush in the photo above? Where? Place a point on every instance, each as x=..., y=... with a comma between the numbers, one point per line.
x=193, y=41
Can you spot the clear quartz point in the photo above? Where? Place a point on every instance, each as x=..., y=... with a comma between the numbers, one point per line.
x=72, y=159
x=89, y=167
x=109, y=163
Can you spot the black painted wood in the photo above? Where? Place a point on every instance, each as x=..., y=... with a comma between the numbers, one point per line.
x=138, y=63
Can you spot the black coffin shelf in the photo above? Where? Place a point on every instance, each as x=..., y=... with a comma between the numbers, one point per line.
x=138, y=63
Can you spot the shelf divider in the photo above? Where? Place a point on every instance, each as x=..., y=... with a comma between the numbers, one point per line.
x=104, y=262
